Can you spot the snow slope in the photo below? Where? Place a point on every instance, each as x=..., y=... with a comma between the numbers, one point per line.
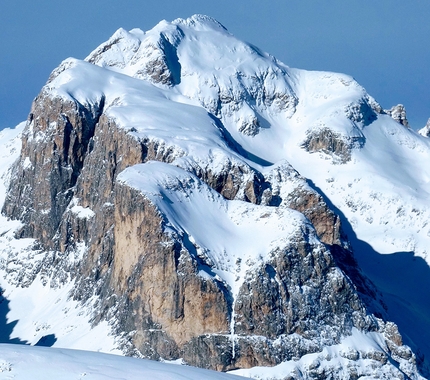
x=40, y=363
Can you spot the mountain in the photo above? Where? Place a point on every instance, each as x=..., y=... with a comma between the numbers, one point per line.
x=180, y=194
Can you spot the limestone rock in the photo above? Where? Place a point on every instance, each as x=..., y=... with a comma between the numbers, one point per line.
x=332, y=143
x=398, y=113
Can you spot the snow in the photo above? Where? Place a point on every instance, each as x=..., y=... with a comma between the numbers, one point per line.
x=22, y=362
x=10, y=141
x=52, y=316
x=27, y=163
x=143, y=109
x=79, y=211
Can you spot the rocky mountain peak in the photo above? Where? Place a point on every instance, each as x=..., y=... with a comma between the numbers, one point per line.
x=213, y=205
x=426, y=130
x=398, y=113
x=201, y=23
x=187, y=52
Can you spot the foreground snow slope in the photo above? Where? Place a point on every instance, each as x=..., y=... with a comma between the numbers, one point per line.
x=40, y=363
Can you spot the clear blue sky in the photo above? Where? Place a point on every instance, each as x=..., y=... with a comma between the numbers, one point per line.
x=384, y=44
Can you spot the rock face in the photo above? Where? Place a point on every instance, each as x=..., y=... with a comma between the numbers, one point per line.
x=398, y=113
x=161, y=64
x=328, y=142
x=274, y=285
x=68, y=127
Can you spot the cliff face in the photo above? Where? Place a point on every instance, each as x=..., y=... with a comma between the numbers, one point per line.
x=53, y=150
x=192, y=246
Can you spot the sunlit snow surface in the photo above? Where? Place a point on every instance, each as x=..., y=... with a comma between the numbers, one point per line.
x=40, y=363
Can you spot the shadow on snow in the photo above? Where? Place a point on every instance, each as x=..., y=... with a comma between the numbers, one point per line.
x=403, y=279
x=6, y=327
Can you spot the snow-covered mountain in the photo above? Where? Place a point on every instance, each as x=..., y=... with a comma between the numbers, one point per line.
x=182, y=195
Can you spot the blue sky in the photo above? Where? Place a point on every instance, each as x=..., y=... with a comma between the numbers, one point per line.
x=384, y=44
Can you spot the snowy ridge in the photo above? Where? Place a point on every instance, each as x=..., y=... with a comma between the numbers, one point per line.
x=140, y=107
x=187, y=53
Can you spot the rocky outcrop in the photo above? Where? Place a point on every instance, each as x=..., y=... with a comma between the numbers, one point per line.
x=270, y=305
x=325, y=221
x=331, y=143
x=54, y=146
x=398, y=113
x=426, y=130
x=285, y=187
x=154, y=57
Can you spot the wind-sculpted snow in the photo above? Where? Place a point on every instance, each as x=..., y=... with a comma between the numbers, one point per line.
x=200, y=199
x=248, y=86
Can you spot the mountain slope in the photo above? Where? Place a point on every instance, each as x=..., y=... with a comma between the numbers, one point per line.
x=251, y=241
